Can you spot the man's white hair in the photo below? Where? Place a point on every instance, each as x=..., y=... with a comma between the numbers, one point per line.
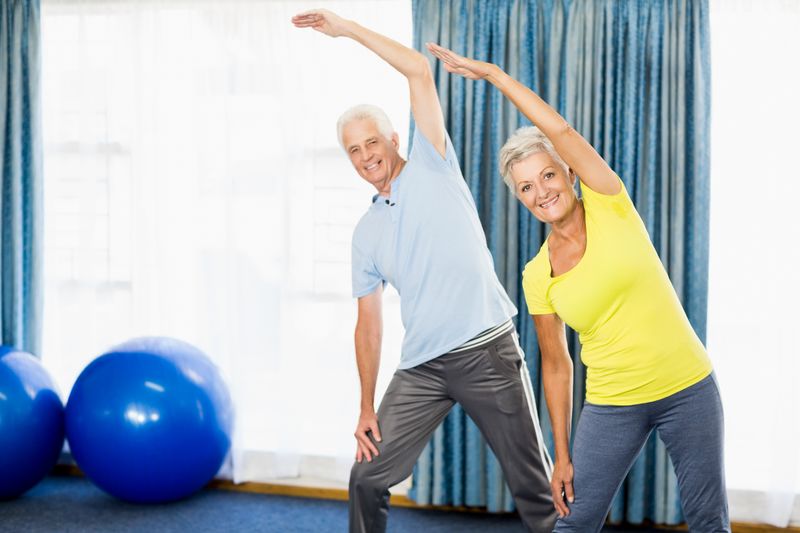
x=525, y=142
x=365, y=112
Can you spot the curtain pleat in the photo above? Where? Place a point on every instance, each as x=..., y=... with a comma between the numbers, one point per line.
x=20, y=175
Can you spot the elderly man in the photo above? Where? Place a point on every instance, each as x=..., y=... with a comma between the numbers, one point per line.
x=422, y=234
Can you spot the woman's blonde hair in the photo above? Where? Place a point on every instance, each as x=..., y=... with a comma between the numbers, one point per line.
x=525, y=142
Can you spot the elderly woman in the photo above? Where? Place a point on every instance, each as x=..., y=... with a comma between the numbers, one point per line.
x=598, y=272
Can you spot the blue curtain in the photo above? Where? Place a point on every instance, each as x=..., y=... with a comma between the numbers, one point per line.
x=633, y=78
x=21, y=174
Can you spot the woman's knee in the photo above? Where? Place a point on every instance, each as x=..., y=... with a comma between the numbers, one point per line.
x=580, y=521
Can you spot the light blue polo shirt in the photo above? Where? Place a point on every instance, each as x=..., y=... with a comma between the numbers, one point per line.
x=427, y=241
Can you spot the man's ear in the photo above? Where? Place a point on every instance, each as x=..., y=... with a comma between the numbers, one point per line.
x=396, y=140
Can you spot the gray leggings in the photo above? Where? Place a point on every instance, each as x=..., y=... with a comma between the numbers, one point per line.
x=609, y=438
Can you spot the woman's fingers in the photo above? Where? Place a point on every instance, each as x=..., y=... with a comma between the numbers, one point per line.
x=441, y=53
x=460, y=71
x=433, y=47
x=453, y=62
x=569, y=492
x=447, y=60
x=451, y=57
x=558, y=501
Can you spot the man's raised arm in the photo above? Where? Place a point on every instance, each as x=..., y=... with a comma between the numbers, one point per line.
x=413, y=65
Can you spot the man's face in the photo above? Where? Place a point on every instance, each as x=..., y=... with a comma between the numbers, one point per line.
x=373, y=156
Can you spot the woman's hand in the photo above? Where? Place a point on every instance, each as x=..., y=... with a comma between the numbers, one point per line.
x=570, y=145
x=464, y=66
x=322, y=20
x=561, y=486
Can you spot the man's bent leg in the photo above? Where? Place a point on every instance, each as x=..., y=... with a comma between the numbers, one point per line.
x=412, y=408
x=492, y=390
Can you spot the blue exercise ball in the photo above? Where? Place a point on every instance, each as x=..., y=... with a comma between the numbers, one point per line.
x=150, y=421
x=31, y=422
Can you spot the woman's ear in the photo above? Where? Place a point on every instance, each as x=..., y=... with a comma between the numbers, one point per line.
x=572, y=176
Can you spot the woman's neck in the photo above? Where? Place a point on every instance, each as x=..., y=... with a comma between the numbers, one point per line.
x=571, y=228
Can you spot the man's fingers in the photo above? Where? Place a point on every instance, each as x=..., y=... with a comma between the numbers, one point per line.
x=367, y=453
x=309, y=13
x=371, y=445
x=303, y=18
x=366, y=444
x=364, y=451
x=303, y=22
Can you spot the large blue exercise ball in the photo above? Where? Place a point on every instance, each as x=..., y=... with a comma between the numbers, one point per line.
x=150, y=421
x=31, y=422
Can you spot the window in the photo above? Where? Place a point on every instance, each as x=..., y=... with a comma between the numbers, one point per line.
x=195, y=188
x=753, y=269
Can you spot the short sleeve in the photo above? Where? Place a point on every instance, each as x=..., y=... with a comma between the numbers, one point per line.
x=535, y=281
x=620, y=203
x=612, y=206
x=366, y=277
x=422, y=150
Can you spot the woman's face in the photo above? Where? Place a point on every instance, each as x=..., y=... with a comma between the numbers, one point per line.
x=544, y=187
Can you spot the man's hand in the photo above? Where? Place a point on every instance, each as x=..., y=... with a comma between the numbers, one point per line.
x=456, y=64
x=561, y=486
x=367, y=423
x=322, y=20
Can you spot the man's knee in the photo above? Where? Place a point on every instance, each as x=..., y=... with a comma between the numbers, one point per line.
x=366, y=477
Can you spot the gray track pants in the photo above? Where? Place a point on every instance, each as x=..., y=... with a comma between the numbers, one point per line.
x=492, y=385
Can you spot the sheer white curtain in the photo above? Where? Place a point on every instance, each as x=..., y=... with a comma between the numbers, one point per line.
x=754, y=286
x=195, y=188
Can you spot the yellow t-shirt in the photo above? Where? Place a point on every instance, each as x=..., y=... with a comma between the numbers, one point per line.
x=637, y=343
